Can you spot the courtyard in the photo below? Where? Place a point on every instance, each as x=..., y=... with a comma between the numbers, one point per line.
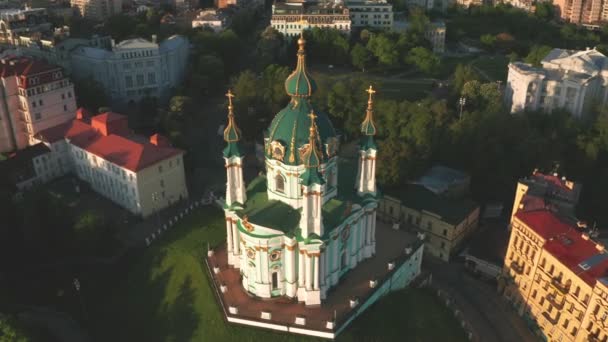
x=170, y=298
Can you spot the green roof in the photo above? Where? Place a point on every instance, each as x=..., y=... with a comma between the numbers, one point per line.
x=280, y=216
x=299, y=83
x=292, y=123
x=367, y=142
x=312, y=176
x=232, y=149
x=452, y=211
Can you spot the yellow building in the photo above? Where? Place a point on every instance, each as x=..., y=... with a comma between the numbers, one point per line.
x=554, y=274
x=445, y=221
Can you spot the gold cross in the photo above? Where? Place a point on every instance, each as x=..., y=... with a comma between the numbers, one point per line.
x=312, y=116
x=371, y=90
x=229, y=95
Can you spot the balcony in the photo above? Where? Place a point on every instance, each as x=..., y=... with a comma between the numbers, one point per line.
x=517, y=268
x=550, y=319
x=557, y=284
x=558, y=305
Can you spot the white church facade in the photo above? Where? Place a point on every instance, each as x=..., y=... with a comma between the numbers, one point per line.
x=295, y=231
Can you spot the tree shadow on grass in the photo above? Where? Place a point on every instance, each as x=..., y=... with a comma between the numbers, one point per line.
x=183, y=320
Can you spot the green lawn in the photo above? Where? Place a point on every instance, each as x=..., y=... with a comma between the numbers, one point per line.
x=494, y=66
x=163, y=294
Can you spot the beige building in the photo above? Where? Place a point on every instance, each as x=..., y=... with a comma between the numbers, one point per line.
x=589, y=13
x=573, y=80
x=447, y=222
x=142, y=175
x=554, y=273
x=371, y=13
x=290, y=18
x=97, y=9
x=36, y=96
x=16, y=22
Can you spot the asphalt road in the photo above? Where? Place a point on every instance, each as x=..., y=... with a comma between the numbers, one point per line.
x=487, y=313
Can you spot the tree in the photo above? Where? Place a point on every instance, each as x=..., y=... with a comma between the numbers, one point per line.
x=346, y=103
x=88, y=230
x=385, y=48
x=488, y=41
x=209, y=74
x=462, y=75
x=269, y=48
x=327, y=45
x=273, y=88
x=120, y=26
x=424, y=59
x=181, y=106
x=10, y=331
x=90, y=94
x=545, y=10
x=537, y=53
x=360, y=56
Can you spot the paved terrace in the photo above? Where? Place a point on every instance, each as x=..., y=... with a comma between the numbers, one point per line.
x=390, y=244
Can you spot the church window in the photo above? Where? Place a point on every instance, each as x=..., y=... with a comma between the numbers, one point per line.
x=279, y=183
x=275, y=280
x=343, y=260
x=275, y=255
x=250, y=253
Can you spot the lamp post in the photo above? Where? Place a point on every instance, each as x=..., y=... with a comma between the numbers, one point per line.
x=462, y=101
x=77, y=287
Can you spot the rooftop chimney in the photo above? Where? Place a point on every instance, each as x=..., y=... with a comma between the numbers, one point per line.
x=159, y=140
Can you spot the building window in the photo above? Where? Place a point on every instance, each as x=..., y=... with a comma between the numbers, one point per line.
x=40, y=102
x=37, y=116
x=128, y=81
x=534, y=294
x=33, y=104
x=162, y=183
x=445, y=232
x=65, y=108
x=69, y=94
x=429, y=225
x=151, y=78
x=160, y=168
x=275, y=280
x=574, y=331
x=63, y=96
x=442, y=245
x=140, y=80
x=279, y=183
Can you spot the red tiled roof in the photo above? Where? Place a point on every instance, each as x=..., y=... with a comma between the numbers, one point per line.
x=36, y=66
x=565, y=242
x=120, y=150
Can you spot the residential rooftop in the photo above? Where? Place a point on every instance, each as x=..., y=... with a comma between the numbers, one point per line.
x=567, y=243
x=416, y=196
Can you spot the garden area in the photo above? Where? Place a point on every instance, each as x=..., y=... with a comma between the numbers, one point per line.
x=164, y=295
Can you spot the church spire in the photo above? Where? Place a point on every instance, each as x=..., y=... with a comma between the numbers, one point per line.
x=299, y=83
x=232, y=134
x=312, y=156
x=368, y=127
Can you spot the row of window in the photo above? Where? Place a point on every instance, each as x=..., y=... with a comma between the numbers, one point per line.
x=44, y=88
x=136, y=54
x=139, y=79
x=137, y=65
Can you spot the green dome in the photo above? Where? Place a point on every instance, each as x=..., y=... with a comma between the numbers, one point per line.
x=299, y=83
x=292, y=124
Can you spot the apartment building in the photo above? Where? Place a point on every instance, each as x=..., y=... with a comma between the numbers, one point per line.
x=97, y=9
x=16, y=22
x=134, y=68
x=27, y=168
x=589, y=13
x=36, y=96
x=290, y=18
x=573, y=80
x=141, y=174
x=554, y=273
x=210, y=19
x=371, y=13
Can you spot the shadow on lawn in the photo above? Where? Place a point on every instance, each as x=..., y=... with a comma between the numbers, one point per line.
x=181, y=315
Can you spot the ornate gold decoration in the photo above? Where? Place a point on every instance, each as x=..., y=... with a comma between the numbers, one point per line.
x=278, y=150
x=312, y=143
x=367, y=126
x=251, y=253
x=275, y=255
x=292, y=156
x=246, y=223
x=303, y=150
x=231, y=122
x=345, y=233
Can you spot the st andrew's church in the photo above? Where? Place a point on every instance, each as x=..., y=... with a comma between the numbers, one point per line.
x=297, y=230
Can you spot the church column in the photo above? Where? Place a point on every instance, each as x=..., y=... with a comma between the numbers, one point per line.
x=316, y=272
x=308, y=263
x=236, y=241
x=229, y=234
x=301, y=266
x=290, y=269
x=258, y=264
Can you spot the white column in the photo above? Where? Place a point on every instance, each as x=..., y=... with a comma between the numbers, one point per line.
x=258, y=266
x=308, y=263
x=229, y=184
x=289, y=264
x=316, y=272
x=229, y=234
x=301, y=266
x=236, y=240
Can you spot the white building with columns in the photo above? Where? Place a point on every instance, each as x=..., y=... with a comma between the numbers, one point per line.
x=296, y=230
x=576, y=81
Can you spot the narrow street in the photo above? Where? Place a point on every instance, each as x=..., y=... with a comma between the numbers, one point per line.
x=482, y=307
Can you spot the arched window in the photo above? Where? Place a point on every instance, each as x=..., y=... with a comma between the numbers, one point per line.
x=279, y=182
x=275, y=280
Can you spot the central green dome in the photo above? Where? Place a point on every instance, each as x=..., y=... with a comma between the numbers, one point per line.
x=291, y=127
x=289, y=130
